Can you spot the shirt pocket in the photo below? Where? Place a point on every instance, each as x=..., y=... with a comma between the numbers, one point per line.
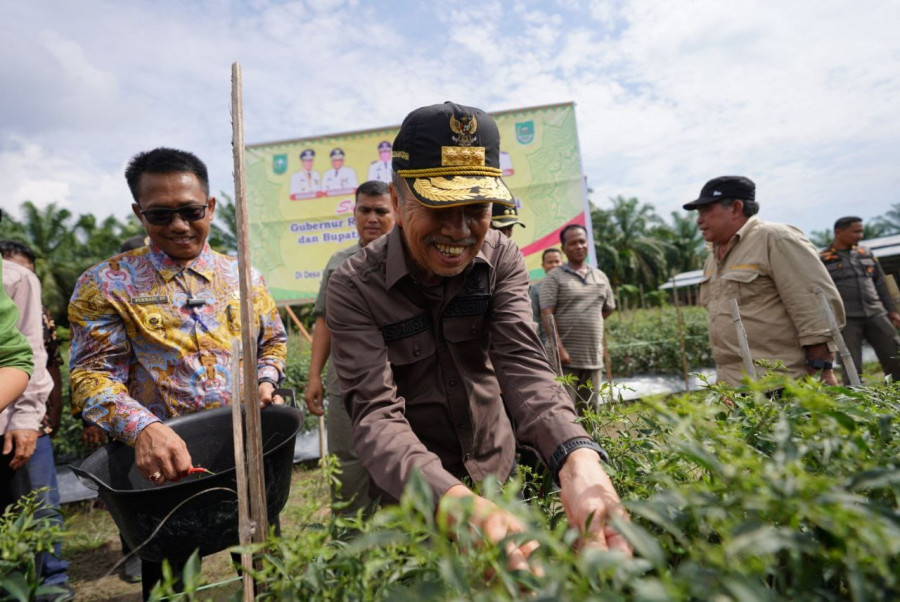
x=411, y=349
x=747, y=286
x=464, y=328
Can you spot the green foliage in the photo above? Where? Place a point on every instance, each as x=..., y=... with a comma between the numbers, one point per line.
x=734, y=495
x=23, y=533
x=647, y=341
x=626, y=250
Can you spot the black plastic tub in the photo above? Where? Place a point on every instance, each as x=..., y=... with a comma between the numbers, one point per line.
x=208, y=520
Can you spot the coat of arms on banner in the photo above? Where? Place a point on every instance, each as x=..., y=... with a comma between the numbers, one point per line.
x=279, y=164
x=525, y=132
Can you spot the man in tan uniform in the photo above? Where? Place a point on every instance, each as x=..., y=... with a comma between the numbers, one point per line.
x=775, y=275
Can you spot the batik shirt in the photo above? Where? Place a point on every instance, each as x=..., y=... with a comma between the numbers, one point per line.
x=152, y=339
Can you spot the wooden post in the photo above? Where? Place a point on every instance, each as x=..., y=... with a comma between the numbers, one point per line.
x=684, y=364
x=742, y=339
x=553, y=339
x=245, y=526
x=298, y=323
x=253, y=431
x=846, y=359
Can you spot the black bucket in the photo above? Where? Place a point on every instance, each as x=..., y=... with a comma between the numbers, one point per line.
x=209, y=520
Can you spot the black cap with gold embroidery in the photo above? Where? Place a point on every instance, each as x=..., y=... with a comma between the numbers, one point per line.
x=450, y=155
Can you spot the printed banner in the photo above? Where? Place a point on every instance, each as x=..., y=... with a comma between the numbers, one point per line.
x=300, y=193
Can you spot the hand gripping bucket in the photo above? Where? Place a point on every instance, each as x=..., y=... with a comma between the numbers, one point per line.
x=208, y=516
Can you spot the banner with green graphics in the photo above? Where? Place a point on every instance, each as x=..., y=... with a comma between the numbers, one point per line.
x=300, y=193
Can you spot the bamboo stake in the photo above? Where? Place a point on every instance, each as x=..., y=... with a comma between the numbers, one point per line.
x=245, y=526
x=846, y=359
x=253, y=436
x=553, y=338
x=298, y=323
x=321, y=418
x=684, y=364
x=742, y=339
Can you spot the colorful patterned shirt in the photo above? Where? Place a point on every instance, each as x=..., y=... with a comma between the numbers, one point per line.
x=151, y=339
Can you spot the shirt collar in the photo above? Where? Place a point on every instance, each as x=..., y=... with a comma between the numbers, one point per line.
x=743, y=231
x=168, y=268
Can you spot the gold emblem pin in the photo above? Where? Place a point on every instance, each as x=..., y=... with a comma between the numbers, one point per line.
x=464, y=128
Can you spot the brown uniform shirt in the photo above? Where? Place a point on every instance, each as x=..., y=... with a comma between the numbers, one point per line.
x=772, y=270
x=421, y=369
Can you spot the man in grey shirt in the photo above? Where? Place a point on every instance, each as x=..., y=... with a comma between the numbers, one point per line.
x=374, y=216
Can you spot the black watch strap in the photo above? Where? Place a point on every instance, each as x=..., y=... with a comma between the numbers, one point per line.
x=820, y=364
x=558, y=457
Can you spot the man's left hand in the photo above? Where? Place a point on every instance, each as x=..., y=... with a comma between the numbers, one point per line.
x=24, y=442
x=267, y=395
x=894, y=317
x=588, y=495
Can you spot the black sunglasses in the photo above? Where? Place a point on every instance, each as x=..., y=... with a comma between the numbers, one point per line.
x=164, y=217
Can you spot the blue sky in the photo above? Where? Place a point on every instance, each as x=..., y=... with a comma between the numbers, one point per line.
x=802, y=96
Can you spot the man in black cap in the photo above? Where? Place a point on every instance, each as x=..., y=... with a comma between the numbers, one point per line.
x=503, y=218
x=431, y=321
x=774, y=274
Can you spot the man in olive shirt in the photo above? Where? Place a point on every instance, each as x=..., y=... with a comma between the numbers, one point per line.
x=871, y=313
x=432, y=321
x=374, y=217
x=775, y=275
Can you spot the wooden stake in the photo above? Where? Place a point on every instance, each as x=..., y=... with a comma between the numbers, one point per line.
x=298, y=323
x=684, y=364
x=742, y=339
x=253, y=435
x=245, y=527
x=846, y=359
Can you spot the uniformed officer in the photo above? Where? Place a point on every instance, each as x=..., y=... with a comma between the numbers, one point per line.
x=305, y=183
x=504, y=218
x=871, y=313
x=381, y=169
x=339, y=179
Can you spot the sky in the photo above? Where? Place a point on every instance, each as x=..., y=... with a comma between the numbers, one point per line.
x=801, y=96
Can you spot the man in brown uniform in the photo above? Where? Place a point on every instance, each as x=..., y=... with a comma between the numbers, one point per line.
x=430, y=322
x=775, y=275
x=871, y=313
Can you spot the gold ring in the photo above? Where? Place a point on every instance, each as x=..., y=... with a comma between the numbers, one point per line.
x=155, y=476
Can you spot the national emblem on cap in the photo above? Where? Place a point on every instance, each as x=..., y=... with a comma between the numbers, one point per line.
x=307, y=154
x=449, y=155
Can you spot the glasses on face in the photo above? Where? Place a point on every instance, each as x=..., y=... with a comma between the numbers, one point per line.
x=164, y=217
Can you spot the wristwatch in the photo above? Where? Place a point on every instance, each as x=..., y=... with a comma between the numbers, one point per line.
x=560, y=455
x=820, y=364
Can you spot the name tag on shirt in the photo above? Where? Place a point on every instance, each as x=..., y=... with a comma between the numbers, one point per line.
x=150, y=300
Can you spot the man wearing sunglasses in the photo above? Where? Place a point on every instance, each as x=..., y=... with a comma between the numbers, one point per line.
x=152, y=328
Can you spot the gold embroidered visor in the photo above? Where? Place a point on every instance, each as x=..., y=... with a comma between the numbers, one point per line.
x=450, y=191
